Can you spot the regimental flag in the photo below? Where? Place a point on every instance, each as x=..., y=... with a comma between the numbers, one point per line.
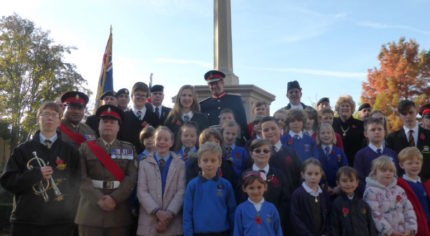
x=106, y=74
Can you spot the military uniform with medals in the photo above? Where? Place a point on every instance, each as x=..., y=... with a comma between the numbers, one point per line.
x=98, y=180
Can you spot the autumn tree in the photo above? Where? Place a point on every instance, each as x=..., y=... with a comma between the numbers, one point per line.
x=404, y=73
x=32, y=70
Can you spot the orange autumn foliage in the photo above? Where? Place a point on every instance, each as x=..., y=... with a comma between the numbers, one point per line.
x=404, y=73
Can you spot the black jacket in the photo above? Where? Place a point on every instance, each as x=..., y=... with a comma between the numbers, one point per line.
x=397, y=141
x=353, y=140
x=131, y=127
x=351, y=217
x=30, y=208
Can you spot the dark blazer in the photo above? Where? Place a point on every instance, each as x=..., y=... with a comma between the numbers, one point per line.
x=353, y=140
x=93, y=122
x=131, y=127
x=213, y=106
x=397, y=141
x=174, y=123
x=287, y=161
x=29, y=208
x=288, y=107
x=164, y=113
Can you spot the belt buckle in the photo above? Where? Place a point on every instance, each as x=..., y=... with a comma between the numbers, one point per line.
x=107, y=184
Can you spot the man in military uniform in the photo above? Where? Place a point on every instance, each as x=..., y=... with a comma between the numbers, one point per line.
x=40, y=208
x=123, y=97
x=157, y=97
x=219, y=100
x=109, y=174
x=72, y=130
x=294, y=95
x=107, y=98
x=425, y=115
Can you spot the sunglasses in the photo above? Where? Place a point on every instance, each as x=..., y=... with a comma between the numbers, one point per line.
x=258, y=151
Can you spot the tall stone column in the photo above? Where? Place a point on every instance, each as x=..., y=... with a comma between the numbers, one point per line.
x=223, y=53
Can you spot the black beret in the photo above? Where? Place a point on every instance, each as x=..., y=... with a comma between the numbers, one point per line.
x=110, y=111
x=157, y=88
x=363, y=106
x=292, y=85
x=122, y=91
x=108, y=93
x=75, y=98
x=214, y=75
x=324, y=99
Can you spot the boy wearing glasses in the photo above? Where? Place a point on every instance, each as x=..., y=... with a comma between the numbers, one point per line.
x=37, y=209
x=278, y=187
x=138, y=117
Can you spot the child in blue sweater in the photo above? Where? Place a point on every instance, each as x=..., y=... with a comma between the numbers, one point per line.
x=375, y=133
x=330, y=156
x=234, y=153
x=256, y=216
x=302, y=143
x=209, y=202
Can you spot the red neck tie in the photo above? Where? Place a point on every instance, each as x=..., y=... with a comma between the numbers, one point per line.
x=411, y=138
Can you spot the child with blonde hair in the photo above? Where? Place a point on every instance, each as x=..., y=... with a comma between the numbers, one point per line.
x=391, y=210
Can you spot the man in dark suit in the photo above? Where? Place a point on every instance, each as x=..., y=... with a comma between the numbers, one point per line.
x=294, y=94
x=157, y=97
x=219, y=100
x=139, y=116
x=411, y=135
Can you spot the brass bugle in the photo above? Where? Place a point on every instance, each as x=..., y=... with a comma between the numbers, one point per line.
x=42, y=189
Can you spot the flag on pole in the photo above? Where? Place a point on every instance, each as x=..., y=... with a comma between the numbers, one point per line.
x=106, y=76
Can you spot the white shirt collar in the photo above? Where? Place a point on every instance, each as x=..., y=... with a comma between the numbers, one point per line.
x=411, y=180
x=415, y=134
x=310, y=191
x=300, y=107
x=257, y=205
x=375, y=148
x=350, y=198
x=292, y=134
x=278, y=146
x=324, y=146
x=256, y=168
x=43, y=138
x=189, y=114
x=143, y=110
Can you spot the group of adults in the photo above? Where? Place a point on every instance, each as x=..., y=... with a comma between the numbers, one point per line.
x=109, y=142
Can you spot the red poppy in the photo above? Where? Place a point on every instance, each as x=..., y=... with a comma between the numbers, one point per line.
x=290, y=141
x=258, y=220
x=178, y=123
x=398, y=198
x=59, y=161
x=288, y=160
x=345, y=211
x=332, y=152
x=144, y=124
x=422, y=137
x=237, y=154
x=272, y=179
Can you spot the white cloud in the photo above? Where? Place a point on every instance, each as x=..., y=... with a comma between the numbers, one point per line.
x=377, y=25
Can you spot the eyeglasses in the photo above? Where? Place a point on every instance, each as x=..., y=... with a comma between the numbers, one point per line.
x=49, y=114
x=258, y=151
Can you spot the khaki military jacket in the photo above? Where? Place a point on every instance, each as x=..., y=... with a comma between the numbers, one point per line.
x=89, y=213
x=81, y=128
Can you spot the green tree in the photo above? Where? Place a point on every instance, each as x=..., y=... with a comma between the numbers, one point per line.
x=404, y=73
x=32, y=70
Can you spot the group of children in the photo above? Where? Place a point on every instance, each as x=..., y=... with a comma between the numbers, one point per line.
x=292, y=179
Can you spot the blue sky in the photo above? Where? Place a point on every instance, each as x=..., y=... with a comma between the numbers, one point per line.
x=327, y=46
